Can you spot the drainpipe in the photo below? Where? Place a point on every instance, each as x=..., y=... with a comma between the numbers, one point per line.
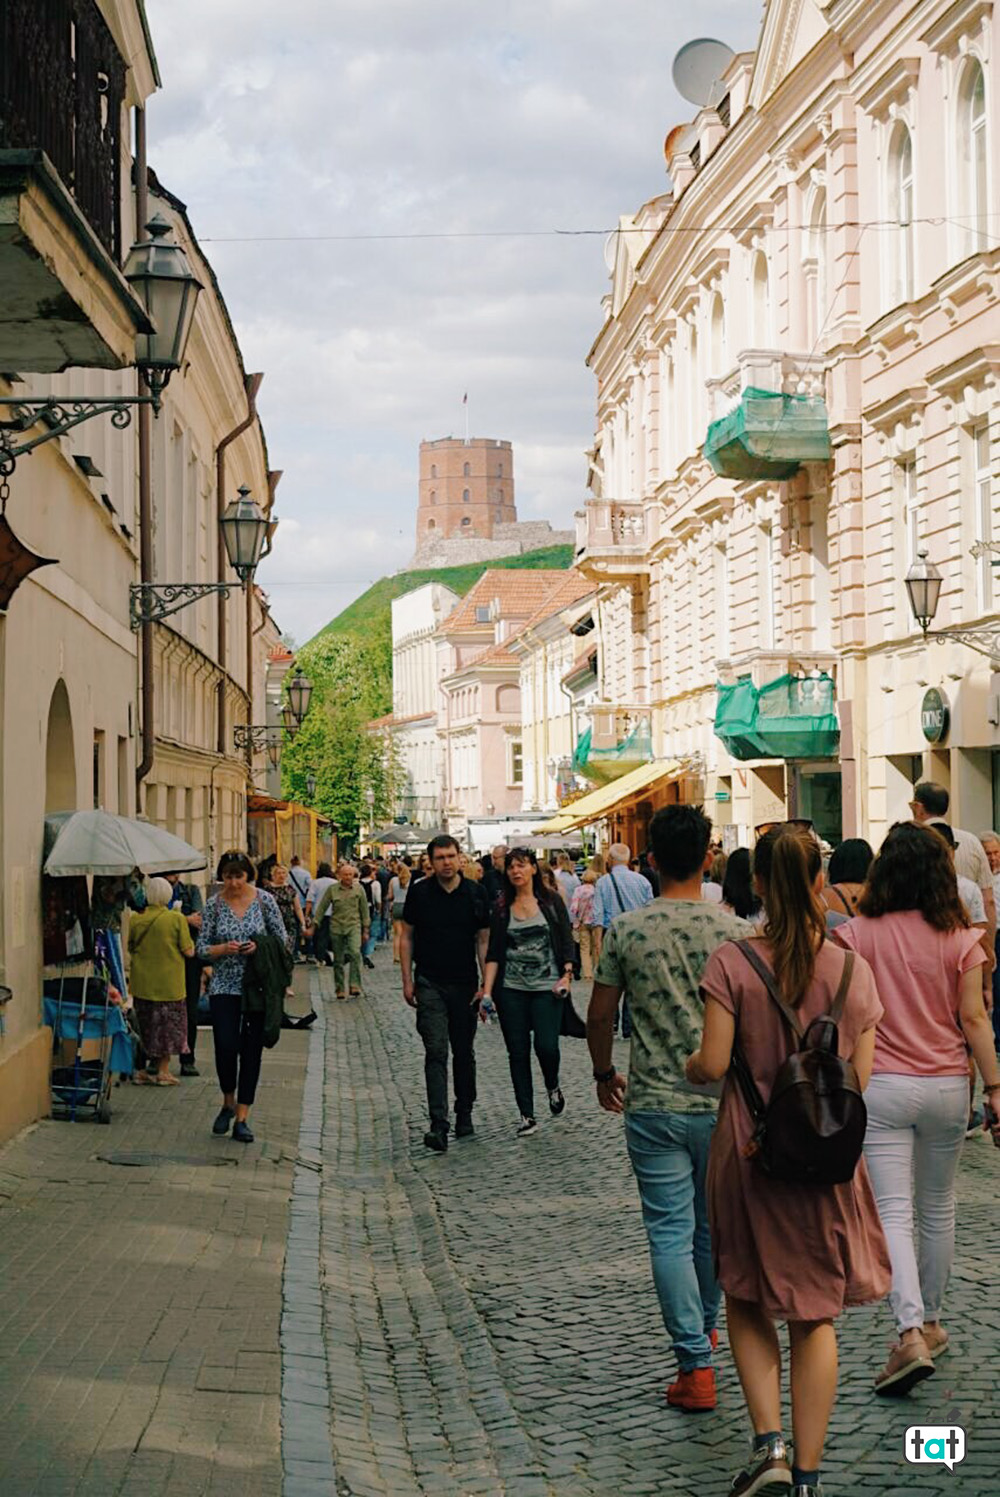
x=252, y=384
x=144, y=418
x=273, y=479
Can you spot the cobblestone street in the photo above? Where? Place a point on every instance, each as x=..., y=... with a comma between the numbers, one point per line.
x=476, y=1323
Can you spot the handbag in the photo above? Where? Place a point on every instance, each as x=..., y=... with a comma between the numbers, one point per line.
x=571, y=1026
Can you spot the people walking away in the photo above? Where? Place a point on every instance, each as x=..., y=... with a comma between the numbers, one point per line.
x=616, y=892
x=711, y=887
x=529, y=967
x=320, y=932
x=930, y=804
x=443, y=956
x=398, y=886
x=159, y=942
x=234, y=919
x=301, y=878
x=971, y=899
x=991, y=847
x=581, y=914
x=657, y=954
x=347, y=906
x=846, y=875
x=739, y=896
x=373, y=894
x=384, y=875
x=566, y=877
x=927, y=960
x=187, y=898
x=793, y=1252
x=493, y=875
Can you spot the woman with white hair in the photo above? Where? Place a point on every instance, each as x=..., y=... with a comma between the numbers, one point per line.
x=158, y=941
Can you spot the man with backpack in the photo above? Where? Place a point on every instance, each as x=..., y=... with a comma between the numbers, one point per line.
x=657, y=953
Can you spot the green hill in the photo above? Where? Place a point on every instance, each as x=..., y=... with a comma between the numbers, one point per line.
x=373, y=606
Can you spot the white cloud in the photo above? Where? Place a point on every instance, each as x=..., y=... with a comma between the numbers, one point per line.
x=413, y=116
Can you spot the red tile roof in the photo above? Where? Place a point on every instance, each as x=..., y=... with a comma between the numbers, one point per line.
x=520, y=594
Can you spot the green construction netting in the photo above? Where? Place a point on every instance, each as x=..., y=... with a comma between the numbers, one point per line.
x=768, y=435
x=605, y=763
x=793, y=717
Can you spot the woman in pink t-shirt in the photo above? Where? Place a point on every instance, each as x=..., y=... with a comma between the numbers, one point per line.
x=913, y=931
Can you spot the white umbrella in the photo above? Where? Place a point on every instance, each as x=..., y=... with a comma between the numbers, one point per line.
x=97, y=842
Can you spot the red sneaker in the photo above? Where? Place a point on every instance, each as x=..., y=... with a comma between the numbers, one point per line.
x=694, y=1391
x=713, y=1336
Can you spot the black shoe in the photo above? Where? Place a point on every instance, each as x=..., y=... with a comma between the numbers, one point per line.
x=436, y=1139
x=528, y=1125
x=242, y=1134
x=557, y=1102
x=463, y=1126
x=188, y=1068
x=368, y=963
x=222, y=1122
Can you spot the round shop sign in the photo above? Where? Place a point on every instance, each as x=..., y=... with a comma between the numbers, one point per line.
x=935, y=715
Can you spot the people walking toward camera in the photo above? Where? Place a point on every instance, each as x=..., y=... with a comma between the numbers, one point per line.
x=786, y=1250
x=928, y=961
x=349, y=914
x=529, y=967
x=234, y=921
x=657, y=954
x=442, y=954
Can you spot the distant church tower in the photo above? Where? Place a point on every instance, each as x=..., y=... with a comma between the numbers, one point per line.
x=466, y=489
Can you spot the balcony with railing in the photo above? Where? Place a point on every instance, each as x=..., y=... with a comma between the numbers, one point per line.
x=614, y=538
x=62, y=91
x=768, y=416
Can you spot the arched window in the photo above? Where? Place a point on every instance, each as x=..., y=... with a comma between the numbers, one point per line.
x=432, y=524
x=499, y=516
x=466, y=520
x=434, y=471
x=760, y=302
x=466, y=470
x=499, y=470
x=717, y=327
x=434, y=497
x=465, y=496
x=60, y=754
x=901, y=213
x=974, y=199
x=694, y=390
x=815, y=268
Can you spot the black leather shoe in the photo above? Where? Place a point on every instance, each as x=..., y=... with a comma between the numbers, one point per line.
x=463, y=1126
x=242, y=1134
x=222, y=1122
x=189, y=1069
x=369, y=963
x=437, y=1140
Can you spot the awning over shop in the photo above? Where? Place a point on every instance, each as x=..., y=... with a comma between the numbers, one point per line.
x=601, y=803
x=769, y=435
x=793, y=717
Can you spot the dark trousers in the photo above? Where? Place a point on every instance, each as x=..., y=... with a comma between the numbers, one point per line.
x=522, y=1014
x=192, y=992
x=996, y=995
x=239, y=1045
x=446, y=1015
x=321, y=941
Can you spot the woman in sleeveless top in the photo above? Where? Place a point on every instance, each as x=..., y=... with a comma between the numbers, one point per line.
x=846, y=875
x=782, y=1251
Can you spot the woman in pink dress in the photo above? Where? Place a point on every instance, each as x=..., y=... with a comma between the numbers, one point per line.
x=786, y=1252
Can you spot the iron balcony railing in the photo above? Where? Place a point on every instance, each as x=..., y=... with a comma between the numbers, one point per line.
x=62, y=85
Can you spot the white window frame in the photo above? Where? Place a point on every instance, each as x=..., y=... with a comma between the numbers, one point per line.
x=515, y=763
x=982, y=508
x=973, y=138
x=908, y=483
x=900, y=239
x=767, y=622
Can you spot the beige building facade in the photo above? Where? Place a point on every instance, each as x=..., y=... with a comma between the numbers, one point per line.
x=796, y=394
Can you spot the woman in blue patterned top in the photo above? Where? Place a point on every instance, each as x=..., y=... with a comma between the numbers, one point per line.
x=233, y=919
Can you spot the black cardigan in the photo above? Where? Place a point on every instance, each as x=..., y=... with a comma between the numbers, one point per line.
x=560, y=935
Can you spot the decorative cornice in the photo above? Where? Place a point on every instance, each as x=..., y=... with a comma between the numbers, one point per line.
x=893, y=87
x=960, y=22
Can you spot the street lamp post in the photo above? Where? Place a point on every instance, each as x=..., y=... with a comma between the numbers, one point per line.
x=311, y=786
x=244, y=531
x=923, y=583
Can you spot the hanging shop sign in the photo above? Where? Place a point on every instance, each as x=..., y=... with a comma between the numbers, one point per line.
x=935, y=715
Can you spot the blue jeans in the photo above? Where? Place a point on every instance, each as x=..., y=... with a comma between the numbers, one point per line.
x=669, y=1154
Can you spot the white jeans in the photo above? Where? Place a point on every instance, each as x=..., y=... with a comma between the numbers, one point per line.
x=915, y=1129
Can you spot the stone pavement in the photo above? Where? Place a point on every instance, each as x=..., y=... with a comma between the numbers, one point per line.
x=337, y=1311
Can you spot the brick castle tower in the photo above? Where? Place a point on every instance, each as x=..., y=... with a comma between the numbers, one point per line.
x=466, y=489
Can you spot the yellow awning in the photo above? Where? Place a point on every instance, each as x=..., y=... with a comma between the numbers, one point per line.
x=600, y=803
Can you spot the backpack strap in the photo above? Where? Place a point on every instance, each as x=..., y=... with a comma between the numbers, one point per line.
x=845, y=982
x=768, y=979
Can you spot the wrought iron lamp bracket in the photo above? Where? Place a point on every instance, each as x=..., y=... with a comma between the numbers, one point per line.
x=150, y=601
x=256, y=736
x=983, y=641
x=60, y=415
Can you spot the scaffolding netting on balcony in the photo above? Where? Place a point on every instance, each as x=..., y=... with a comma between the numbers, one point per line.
x=793, y=717
x=768, y=435
x=608, y=763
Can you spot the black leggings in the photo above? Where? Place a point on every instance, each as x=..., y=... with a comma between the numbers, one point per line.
x=239, y=1045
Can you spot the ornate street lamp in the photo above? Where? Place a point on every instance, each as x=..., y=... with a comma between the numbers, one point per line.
x=274, y=752
x=299, y=695
x=159, y=272
x=310, y=785
x=289, y=722
x=244, y=531
x=923, y=584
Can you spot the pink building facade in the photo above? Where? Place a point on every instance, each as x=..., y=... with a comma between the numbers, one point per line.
x=797, y=394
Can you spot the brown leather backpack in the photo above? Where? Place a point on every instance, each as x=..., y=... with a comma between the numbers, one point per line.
x=813, y=1127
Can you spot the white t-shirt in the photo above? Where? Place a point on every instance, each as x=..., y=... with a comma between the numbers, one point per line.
x=317, y=889
x=971, y=896
x=711, y=893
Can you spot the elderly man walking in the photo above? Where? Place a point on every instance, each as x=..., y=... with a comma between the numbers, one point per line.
x=445, y=930
x=618, y=891
x=350, y=923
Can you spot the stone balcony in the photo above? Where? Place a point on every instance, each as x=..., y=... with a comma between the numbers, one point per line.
x=768, y=415
x=614, y=538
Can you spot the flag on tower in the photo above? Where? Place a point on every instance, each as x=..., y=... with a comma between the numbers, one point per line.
x=465, y=398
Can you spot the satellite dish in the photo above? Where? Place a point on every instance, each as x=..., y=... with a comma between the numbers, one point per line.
x=697, y=69
x=677, y=140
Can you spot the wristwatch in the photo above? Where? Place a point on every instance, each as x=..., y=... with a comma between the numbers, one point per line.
x=603, y=1077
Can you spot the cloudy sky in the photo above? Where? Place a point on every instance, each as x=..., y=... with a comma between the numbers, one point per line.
x=285, y=126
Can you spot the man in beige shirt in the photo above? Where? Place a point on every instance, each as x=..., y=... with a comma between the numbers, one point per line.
x=350, y=921
x=929, y=804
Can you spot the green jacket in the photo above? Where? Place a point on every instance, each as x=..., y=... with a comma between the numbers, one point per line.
x=265, y=978
x=348, y=909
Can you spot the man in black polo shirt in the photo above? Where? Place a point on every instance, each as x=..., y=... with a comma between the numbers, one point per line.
x=445, y=932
